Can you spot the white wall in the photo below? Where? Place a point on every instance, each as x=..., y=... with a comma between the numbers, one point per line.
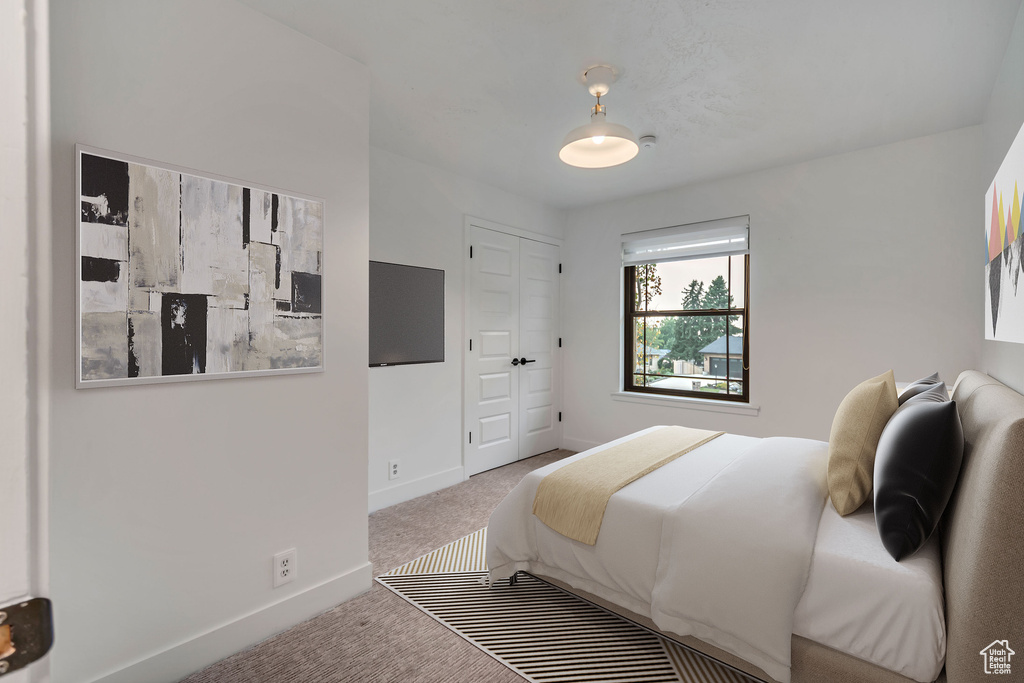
x=168, y=501
x=857, y=265
x=24, y=223
x=1003, y=119
x=14, y=261
x=416, y=218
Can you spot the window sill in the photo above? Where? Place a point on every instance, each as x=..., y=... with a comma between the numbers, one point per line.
x=689, y=403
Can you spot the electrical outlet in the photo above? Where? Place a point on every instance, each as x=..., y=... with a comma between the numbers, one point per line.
x=394, y=469
x=286, y=567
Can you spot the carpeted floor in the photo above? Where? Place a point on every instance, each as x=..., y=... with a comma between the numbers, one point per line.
x=378, y=636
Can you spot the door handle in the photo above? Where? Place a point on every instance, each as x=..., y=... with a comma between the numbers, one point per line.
x=524, y=361
x=515, y=361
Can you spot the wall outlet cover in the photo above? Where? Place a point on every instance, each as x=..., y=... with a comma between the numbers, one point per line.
x=286, y=567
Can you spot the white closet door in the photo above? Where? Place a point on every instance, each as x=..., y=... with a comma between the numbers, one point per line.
x=539, y=387
x=492, y=382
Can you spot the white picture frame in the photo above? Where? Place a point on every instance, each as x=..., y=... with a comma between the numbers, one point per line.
x=183, y=275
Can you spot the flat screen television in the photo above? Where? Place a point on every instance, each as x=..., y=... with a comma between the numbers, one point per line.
x=406, y=314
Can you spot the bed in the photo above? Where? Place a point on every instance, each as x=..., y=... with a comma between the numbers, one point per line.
x=859, y=615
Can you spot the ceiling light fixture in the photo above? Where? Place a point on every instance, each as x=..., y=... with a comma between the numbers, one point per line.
x=598, y=144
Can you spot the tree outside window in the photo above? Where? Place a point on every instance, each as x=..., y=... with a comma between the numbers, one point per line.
x=685, y=328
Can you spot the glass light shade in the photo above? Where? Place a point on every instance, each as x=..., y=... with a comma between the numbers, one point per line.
x=617, y=144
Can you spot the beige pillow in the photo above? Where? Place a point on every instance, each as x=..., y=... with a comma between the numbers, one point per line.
x=858, y=424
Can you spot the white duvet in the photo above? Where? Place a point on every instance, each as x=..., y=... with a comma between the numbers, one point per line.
x=735, y=555
x=731, y=559
x=692, y=547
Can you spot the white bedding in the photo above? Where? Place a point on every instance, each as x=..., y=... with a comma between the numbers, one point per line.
x=860, y=601
x=623, y=563
x=622, y=566
x=735, y=555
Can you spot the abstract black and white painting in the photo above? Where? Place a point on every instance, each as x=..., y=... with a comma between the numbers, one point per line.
x=185, y=276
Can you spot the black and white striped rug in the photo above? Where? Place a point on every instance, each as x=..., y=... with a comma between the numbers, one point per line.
x=539, y=631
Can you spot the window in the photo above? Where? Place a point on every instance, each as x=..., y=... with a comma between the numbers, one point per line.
x=687, y=307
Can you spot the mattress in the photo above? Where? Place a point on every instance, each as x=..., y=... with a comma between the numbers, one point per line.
x=858, y=600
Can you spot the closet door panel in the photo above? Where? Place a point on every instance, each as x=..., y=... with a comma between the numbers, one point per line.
x=492, y=387
x=539, y=326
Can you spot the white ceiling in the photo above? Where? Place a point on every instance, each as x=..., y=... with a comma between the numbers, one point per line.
x=488, y=88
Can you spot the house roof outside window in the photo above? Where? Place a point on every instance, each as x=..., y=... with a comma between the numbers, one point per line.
x=717, y=347
x=652, y=352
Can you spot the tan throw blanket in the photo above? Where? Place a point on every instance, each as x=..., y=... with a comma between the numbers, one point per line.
x=571, y=500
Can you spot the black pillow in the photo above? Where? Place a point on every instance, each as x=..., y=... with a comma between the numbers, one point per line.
x=917, y=463
x=936, y=393
x=915, y=388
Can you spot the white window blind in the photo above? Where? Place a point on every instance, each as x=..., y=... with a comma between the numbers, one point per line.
x=723, y=237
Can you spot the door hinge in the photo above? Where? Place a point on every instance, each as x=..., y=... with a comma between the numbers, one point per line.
x=26, y=631
x=471, y=437
x=559, y=342
x=471, y=251
x=559, y=267
x=559, y=415
x=470, y=344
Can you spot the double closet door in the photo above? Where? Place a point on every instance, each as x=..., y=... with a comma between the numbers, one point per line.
x=513, y=382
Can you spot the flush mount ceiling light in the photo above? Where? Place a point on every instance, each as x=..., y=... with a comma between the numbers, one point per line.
x=598, y=144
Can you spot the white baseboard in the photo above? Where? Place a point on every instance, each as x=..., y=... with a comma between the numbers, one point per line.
x=194, y=654
x=570, y=444
x=416, y=488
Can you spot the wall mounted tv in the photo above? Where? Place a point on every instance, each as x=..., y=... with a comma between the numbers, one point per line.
x=406, y=314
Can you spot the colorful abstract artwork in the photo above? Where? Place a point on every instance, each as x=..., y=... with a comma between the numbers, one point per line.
x=183, y=276
x=1004, y=289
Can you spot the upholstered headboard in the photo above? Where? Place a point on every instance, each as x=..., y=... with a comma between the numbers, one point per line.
x=983, y=529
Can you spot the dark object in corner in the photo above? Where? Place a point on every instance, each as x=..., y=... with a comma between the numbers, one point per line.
x=916, y=467
x=26, y=633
